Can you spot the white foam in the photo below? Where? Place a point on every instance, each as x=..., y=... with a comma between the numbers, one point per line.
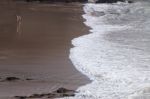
x=116, y=54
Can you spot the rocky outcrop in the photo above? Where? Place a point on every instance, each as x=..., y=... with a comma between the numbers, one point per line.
x=60, y=92
x=12, y=79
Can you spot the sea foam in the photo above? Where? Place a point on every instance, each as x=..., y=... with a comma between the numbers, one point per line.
x=115, y=55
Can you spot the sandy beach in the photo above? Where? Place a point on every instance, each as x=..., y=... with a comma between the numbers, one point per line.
x=35, y=40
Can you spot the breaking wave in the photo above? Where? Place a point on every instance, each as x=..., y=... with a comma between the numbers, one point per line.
x=115, y=55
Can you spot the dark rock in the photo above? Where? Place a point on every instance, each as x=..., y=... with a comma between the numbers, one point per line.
x=20, y=97
x=29, y=79
x=51, y=95
x=11, y=78
x=113, y=1
x=36, y=96
x=109, y=1
x=129, y=1
x=64, y=90
x=61, y=92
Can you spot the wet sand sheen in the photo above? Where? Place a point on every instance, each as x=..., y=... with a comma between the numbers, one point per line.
x=35, y=43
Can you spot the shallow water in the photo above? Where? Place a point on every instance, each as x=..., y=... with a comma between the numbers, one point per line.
x=116, y=53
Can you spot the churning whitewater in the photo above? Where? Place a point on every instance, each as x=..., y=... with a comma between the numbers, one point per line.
x=115, y=55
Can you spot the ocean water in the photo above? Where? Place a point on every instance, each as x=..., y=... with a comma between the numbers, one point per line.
x=115, y=54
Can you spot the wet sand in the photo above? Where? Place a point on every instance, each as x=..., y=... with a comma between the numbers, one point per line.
x=35, y=40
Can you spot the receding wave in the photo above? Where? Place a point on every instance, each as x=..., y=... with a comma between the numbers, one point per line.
x=115, y=55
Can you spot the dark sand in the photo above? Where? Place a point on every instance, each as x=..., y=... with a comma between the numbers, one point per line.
x=35, y=40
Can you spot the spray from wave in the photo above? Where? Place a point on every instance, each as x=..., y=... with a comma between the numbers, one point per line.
x=116, y=53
